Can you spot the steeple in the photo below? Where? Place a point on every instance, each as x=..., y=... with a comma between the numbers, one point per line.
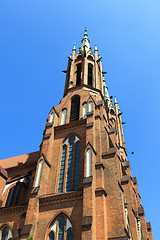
x=85, y=41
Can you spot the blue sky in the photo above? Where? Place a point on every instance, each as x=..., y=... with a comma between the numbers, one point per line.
x=36, y=37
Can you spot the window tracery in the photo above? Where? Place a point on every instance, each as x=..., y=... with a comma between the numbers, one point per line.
x=61, y=229
x=70, y=165
x=5, y=234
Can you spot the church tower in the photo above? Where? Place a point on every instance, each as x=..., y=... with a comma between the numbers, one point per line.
x=78, y=186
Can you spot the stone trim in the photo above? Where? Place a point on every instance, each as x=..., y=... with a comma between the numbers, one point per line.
x=119, y=238
x=99, y=103
x=13, y=209
x=90, y=113
x=70, y=126
x=89, y=125
x=134, y=180
x=26, y=229
x=148, y=226
x=126, y=164
x=55, y=198
x=87, y=221
x=125, y=179
x=87, y=180
x=47, y=136
x=49, y=125
x=99, y=165
x=140, y=211
x=100, y=191
x=89, y=144
x=3, y=173
x=111, y=151
x=112, y=130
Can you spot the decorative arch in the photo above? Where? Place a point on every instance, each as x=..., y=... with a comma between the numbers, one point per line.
x=60, y=228
x=6, y=233
x=70, y=165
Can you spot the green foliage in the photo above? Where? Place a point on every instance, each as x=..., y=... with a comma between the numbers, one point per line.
x=30, y=238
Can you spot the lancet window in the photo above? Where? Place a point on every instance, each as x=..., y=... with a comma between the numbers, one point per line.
x=90, y=74
x=88, y=163
x=78, y=79
x=75, y=105
x=84, y=110
x=63, y=120
x=51, y=117
x=70, y=165
x=5, y=234
x=61, y=229
x=14, y=194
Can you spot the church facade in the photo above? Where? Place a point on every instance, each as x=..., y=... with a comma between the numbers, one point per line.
x=78, y=186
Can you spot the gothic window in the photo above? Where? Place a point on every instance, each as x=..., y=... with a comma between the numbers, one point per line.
x=78, y=80
x=61, y=229
x=88, y=163
x=70, y=165
x=90, y=106
x=63, y=120
x=14, y=195
x=90, y=74
x=6, y=234
x=39, y=173
x=51, y=117
x=75, y=105
x=84, y=110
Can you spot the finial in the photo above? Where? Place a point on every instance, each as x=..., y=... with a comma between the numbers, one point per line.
x=74, y=48
x=115, y=100
x=85, y=41
x=103, y=79
x=70, y=55
x=95, y=47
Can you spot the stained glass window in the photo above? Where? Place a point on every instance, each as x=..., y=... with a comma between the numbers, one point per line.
x=62, y=171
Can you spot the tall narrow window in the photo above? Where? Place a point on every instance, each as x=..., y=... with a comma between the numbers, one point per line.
x=70, y=235
x=51, y=117
x=62, y=171
x=90, y=74
x=70, y=171
x=75, y=105
x=70, y=163
x=90, y=106
x=39, y=173
x=84, y=110
x=61, y=228
x=63, y=120
x=78, y=80
x=51, y=236
x=88, y=163
x=77, y=166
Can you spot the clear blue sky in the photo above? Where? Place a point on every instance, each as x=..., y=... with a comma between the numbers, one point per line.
x=36, y=37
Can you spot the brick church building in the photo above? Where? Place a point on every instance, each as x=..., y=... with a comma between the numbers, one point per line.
x=78, y=186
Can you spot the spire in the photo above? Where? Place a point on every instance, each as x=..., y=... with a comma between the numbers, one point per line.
x=95, y=47
x=85, y=41
x=74, y=48
x=105, y=89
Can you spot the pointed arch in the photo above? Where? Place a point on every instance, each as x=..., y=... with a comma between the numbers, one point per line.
x=60, y=227
x=6, y=233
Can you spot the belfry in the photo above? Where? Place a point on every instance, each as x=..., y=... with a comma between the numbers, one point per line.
x=78, y=186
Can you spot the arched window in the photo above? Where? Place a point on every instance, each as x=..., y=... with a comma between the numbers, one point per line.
x=88, y=163
x=61, y=229
x=72, y=168
x=63, y=120
x=6, y=234
x=90, y=106
x=51, y=117
x=84, y=110
x=14, y=195
x=39, y=173
x=78, y=79
x=75, y=104
x=90, y=74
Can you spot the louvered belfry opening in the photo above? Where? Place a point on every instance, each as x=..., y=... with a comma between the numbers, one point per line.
x=90, y=74
x=75, y=104
x=78, y=80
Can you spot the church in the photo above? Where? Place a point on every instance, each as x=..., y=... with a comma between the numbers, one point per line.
x=79, y=185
